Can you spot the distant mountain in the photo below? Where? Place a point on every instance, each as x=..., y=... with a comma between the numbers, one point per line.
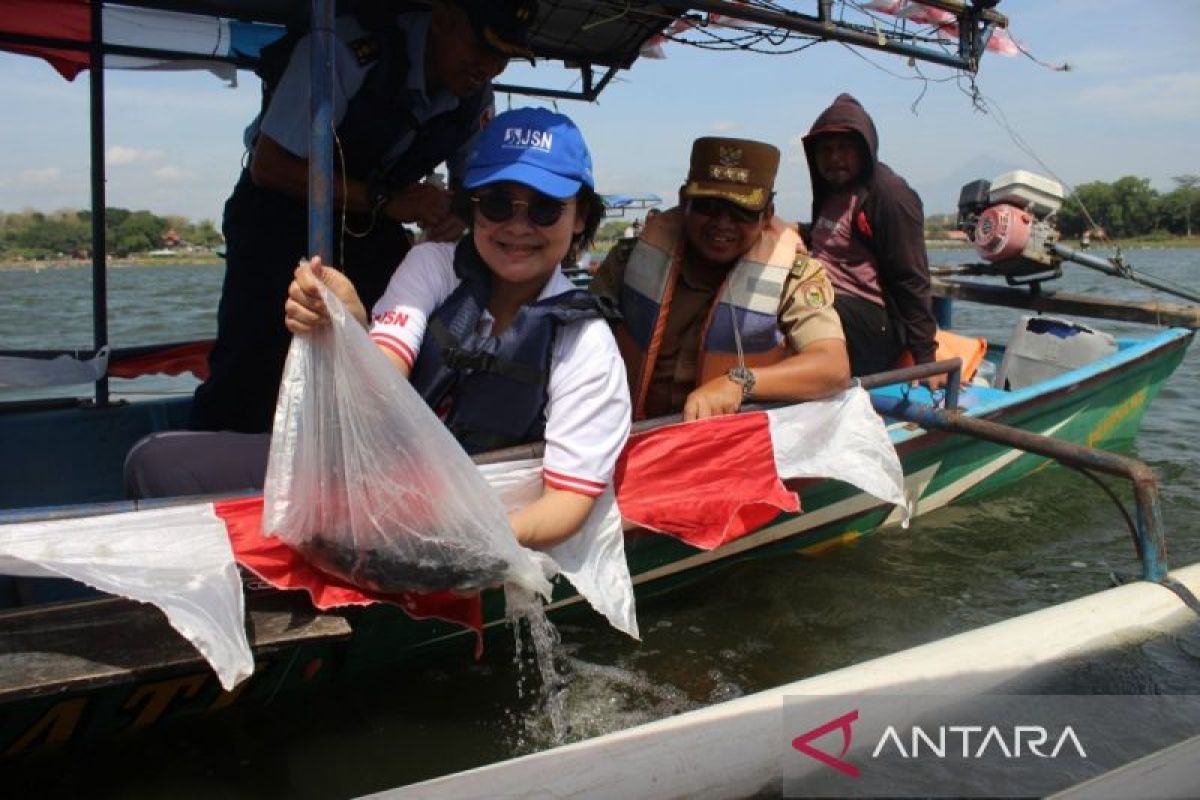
x=940, y=195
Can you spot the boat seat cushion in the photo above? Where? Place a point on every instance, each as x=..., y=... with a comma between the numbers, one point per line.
x=971, y=349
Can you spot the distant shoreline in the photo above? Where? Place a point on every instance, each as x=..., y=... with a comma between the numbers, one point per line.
x=205, y=259
x=191, y=259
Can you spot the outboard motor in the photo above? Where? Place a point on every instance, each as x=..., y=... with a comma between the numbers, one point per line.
x=1009, y=220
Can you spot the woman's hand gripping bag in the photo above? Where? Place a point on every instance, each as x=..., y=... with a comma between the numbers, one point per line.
x=366, y=482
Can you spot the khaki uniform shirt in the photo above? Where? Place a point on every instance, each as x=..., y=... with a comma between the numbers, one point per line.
x=806, y=315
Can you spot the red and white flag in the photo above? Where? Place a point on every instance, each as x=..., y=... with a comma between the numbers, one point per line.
x=944, y=22
x=715, y=480
x=707, y=482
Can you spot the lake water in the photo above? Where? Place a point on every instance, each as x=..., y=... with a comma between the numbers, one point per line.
x=750, y=627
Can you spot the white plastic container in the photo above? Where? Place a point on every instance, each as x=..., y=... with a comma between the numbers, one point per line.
x=1042, y=347
x=1027, y=190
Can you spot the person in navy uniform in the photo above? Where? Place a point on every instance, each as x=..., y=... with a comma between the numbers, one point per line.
x=411, y=92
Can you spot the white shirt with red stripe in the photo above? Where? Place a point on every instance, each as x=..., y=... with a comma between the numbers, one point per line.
x=588, y=410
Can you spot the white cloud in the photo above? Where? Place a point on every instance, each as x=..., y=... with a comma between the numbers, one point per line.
x=170, y=172
x=1172, y=96
x=31, y=177
x=724, y=126
x=118, y=155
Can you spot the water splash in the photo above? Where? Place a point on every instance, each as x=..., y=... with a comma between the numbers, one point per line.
x=525, y=611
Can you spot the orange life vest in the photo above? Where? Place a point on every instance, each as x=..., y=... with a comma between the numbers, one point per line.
x=750, y=294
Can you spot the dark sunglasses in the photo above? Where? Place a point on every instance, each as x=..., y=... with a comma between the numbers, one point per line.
x=715, y=207
x=541, y=211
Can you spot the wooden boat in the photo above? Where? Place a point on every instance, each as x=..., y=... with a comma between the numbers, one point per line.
x=90, y=667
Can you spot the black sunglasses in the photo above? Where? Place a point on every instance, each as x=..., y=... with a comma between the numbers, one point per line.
x=498, y=207
x=715, y=207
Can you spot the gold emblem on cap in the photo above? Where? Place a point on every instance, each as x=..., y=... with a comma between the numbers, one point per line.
x=729, y=174
x=754, y=199
x=730, y=156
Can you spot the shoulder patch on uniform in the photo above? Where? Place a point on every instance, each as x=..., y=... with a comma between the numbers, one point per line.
x=803, y=265
x=366, y=50
x=815, y=290
x=814, y=293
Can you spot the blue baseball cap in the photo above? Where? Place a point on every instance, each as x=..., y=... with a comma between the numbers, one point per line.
x=535, y=147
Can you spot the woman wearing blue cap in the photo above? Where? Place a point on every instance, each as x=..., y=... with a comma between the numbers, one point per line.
x=492, y=334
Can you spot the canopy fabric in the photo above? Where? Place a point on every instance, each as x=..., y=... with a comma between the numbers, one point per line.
x=209, y=33
x=59, y=19
x=223, y=35
x=200, y=41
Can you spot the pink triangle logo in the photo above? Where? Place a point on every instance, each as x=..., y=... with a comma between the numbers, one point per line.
x=842, y=723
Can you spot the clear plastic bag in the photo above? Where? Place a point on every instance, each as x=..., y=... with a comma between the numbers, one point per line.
x=366, y=482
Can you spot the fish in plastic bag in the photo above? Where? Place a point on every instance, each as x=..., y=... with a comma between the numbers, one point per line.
x=365, y=481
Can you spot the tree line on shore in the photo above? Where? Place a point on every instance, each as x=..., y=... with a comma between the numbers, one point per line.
x=1127, y=207
x=38, y=235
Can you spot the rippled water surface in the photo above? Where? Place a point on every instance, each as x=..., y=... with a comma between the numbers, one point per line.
x=750, y=627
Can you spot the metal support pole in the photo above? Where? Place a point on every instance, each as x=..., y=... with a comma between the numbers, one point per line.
x=951, y=368
x=99, y=245
x=1151, y=537
x=320, y=147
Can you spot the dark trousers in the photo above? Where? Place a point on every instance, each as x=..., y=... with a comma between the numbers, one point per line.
x=266, y=235
x=183, y=463
x=870, y=336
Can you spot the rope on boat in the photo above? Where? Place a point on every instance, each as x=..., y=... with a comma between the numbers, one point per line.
x=1130, y=524
x=1183, y=592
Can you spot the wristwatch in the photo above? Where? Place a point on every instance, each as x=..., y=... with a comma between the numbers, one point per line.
x=743, y=376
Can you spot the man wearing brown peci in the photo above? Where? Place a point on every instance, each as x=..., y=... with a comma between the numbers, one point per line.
x=720, y=303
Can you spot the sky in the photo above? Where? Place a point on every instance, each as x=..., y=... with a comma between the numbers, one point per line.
x=1129, y=105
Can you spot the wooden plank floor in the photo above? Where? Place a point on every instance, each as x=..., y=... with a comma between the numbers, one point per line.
x=94, y=643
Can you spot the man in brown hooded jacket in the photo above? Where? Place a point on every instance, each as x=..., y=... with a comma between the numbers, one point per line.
x=868, y=228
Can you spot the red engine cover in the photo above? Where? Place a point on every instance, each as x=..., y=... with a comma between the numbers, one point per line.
x=1002, y=232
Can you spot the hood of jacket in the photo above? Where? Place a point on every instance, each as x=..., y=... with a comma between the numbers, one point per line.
x=844, y=115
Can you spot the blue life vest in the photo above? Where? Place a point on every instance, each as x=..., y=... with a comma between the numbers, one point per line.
x=380, y=113
x=274, y=225
x=497, y=386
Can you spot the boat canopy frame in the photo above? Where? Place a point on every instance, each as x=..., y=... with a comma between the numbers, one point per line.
x=598, y=38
